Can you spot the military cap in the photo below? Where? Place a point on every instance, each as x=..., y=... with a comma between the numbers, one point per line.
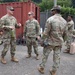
x=56, y=8
x=10, y=8
x=30, y=13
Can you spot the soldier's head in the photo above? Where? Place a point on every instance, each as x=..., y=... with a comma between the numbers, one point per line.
x=56, y=9
x=70, y=17
x=10, y=10
x=30, y=15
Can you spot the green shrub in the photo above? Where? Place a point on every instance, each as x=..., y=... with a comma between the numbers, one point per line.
x=65, y=11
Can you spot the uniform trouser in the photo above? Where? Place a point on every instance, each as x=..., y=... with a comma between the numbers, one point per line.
x=56, y=56
x=32, y=42
x=9, y=42
x=68, y=43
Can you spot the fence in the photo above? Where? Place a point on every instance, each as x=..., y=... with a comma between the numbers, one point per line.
x=43, y=17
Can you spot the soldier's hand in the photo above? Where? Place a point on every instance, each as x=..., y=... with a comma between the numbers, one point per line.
x=42, y=43
x=19, y=24
x=38, y=37
x=23, y=37
x=1, y=33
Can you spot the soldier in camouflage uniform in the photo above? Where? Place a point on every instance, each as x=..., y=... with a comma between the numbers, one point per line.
x=70, y=25
x=31, y=33
x=9, y=23
x=55, y=29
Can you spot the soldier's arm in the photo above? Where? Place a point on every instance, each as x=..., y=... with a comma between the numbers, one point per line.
x=0, y=26
x=46, y=34
x=73, y=32
x=25, y=30
x=16, y=24
x=65, y=35
x=72, y=28
x=2, y=23
x=46, y=30
x=38, y=28
x=1, y=30
x=69, y=24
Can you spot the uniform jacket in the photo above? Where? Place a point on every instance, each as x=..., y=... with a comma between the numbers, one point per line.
x=55, y=30
x=7, y=21
x=70, y=26
x=32, y=28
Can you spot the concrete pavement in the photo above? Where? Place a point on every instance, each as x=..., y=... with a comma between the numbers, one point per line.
x=29, y=66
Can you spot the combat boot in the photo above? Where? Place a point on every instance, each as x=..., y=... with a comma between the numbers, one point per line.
x=41, y=70
x=52, y=72
x=29, y=55
x=14, y=59
x=37, y=57
x=3, y=60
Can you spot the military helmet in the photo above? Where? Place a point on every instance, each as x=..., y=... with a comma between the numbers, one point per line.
x=56, y=8
x=10, y=8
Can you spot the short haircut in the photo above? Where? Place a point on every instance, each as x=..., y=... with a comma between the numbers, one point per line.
x=70, y=15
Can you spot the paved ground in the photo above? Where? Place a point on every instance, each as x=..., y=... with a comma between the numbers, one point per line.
x=29, y=66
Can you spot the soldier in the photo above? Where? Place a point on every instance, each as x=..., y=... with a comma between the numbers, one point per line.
x=8, y=22
x=31, y=33
x=70, y=25
x=55, y=29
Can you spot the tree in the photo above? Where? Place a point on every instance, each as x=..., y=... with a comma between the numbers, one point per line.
x=48, y=4
x=37, y=1
x=9, y=0
x=66, y=3
x=73, y=3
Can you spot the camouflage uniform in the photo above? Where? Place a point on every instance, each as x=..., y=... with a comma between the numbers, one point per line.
x=1, y=39
x=70, y=25
x=55, y=29
x=31, y=31
x=9, y=37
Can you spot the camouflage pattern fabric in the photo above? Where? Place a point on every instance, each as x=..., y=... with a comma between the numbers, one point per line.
x=9, y=37
x=32, y=42
x=56, y=56
x=70, y=26
x=1, y=40
x=31, y=31
x=55, y=34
